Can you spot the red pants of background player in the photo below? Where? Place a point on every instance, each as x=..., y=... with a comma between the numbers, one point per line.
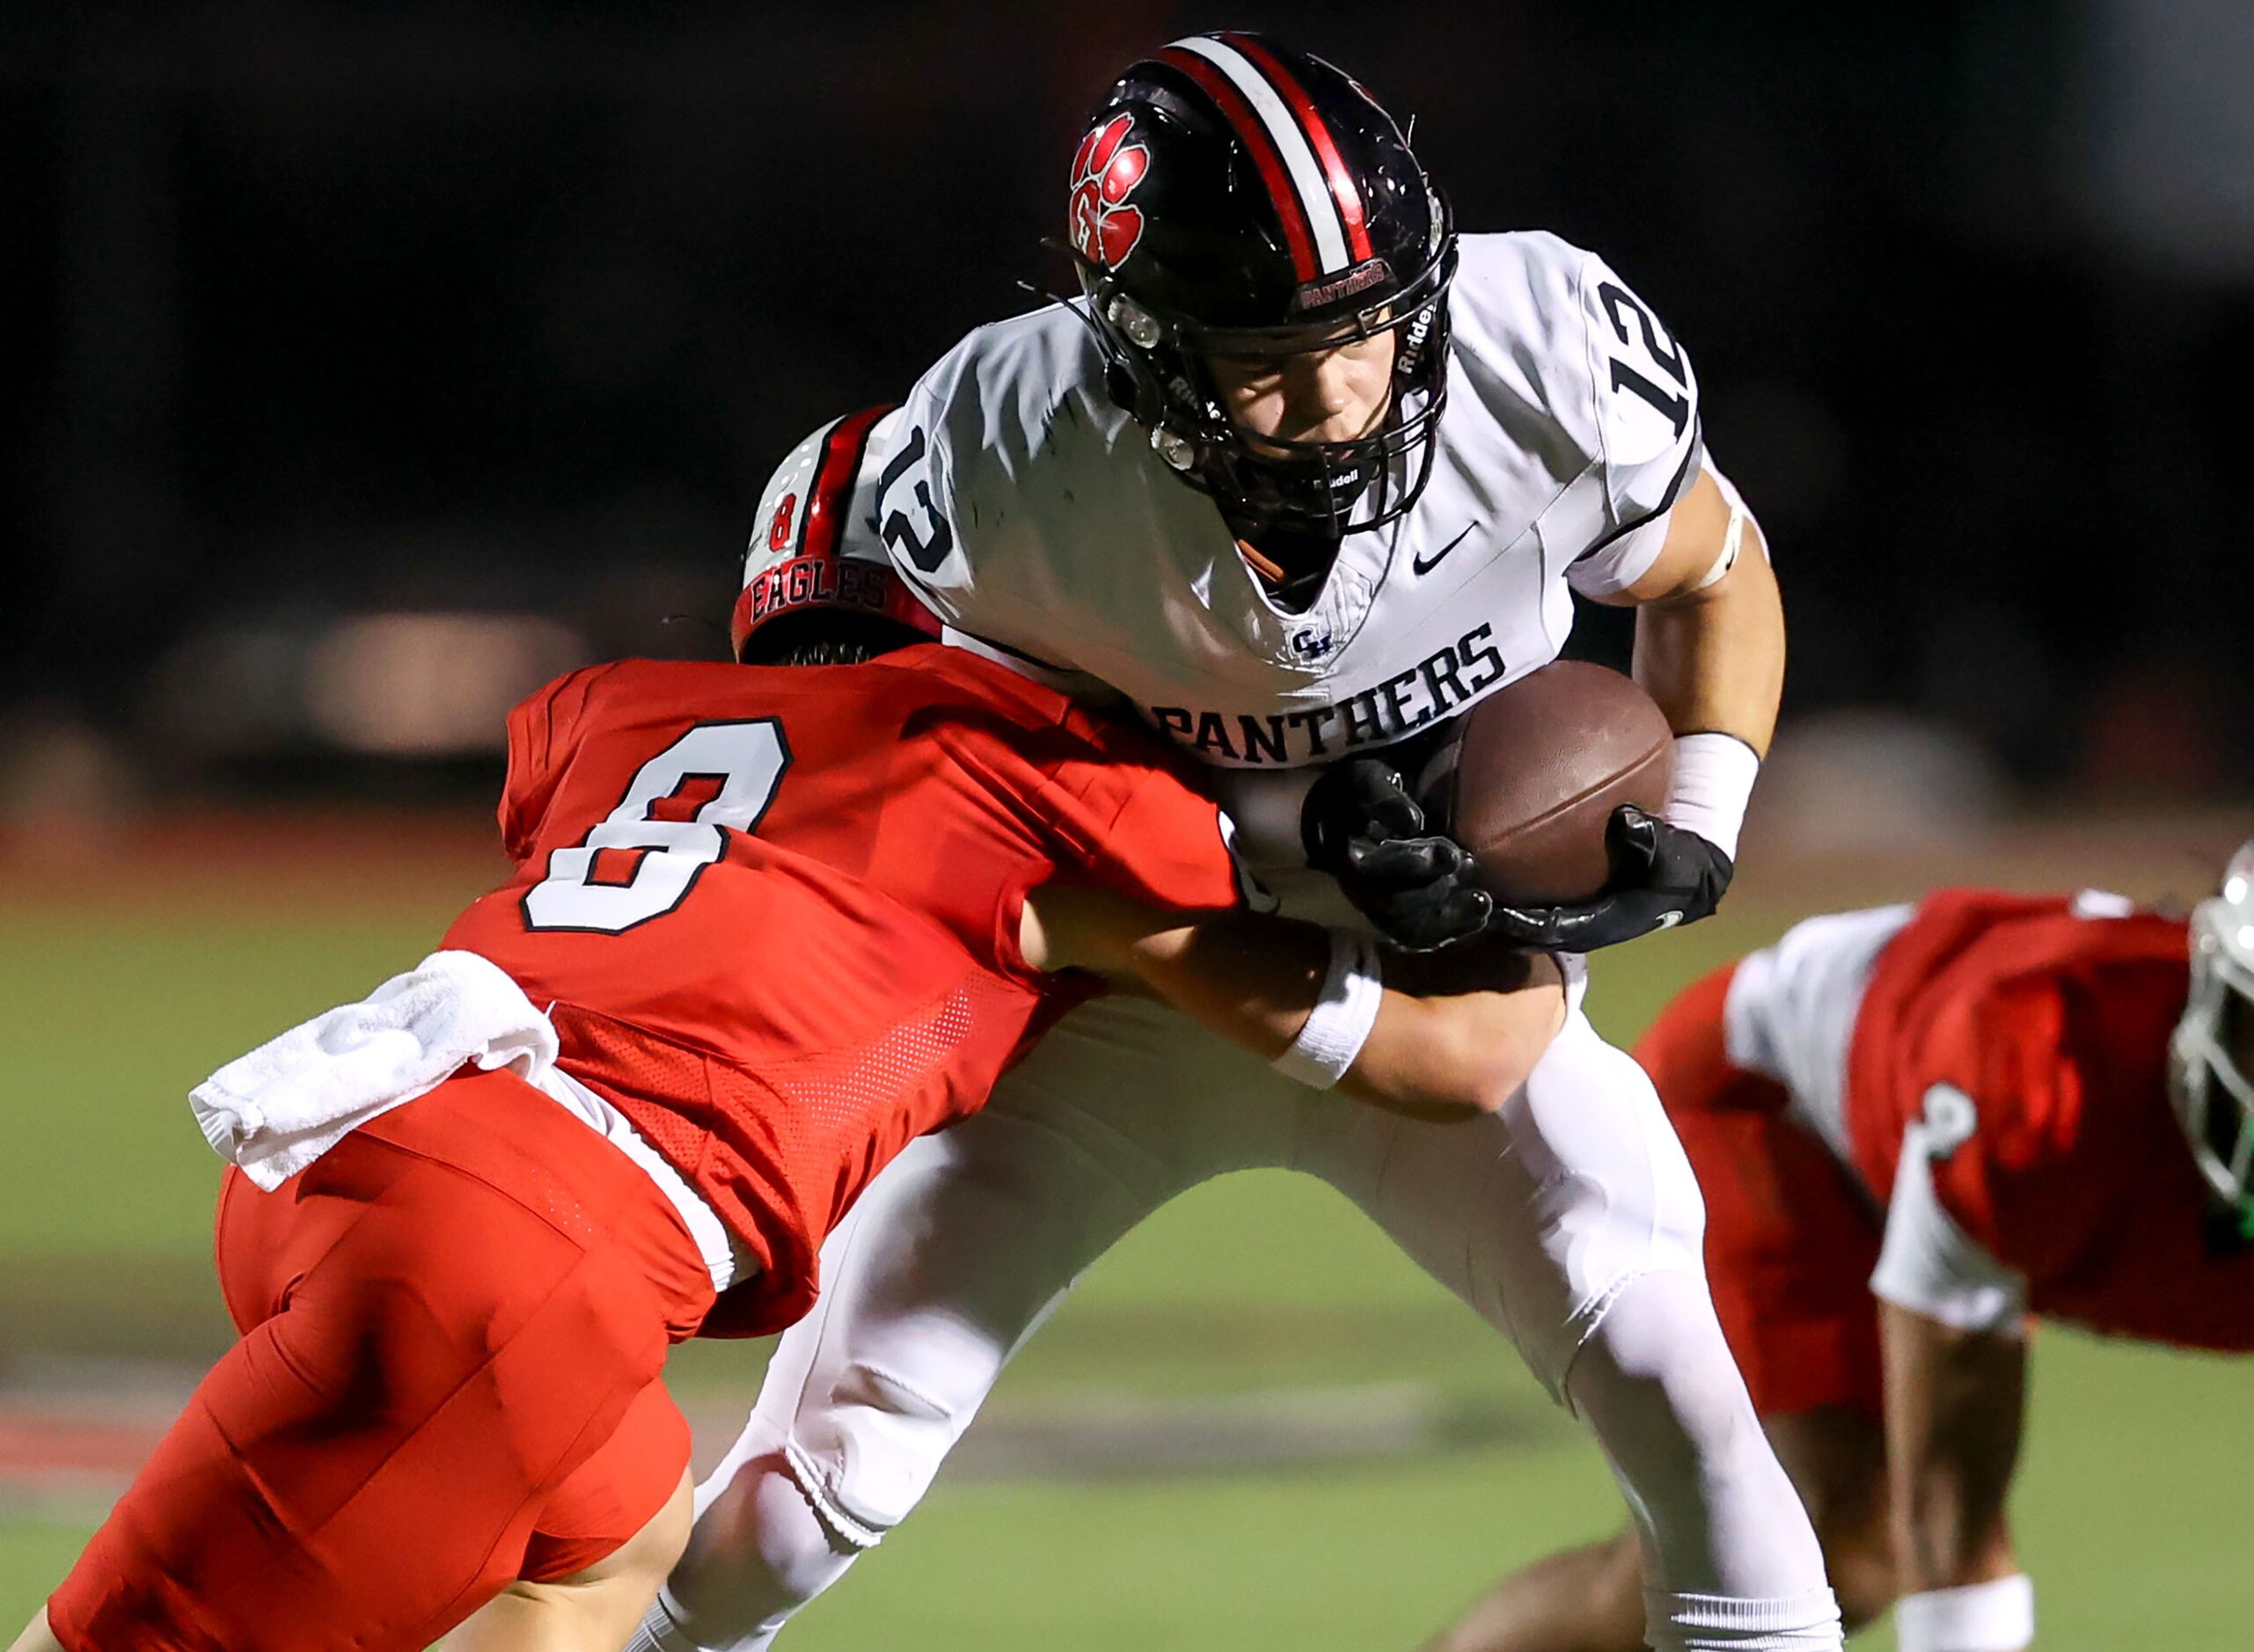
x=452, y=1329
x=1790, y=1237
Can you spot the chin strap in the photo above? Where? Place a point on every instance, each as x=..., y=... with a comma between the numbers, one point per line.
x=1261, y=564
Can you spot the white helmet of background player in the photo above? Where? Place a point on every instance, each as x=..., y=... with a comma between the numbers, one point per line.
x=2211, y=1065
x=797, y=563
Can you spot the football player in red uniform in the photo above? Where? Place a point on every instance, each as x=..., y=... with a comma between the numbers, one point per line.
x=766, y=925
x=1915, y=1127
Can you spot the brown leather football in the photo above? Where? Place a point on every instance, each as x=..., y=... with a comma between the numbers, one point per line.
x=1536, y=770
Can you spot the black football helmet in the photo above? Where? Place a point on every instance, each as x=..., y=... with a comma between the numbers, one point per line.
x=1234, y=197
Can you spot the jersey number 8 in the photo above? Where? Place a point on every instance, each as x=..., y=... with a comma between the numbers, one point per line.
x=642, y=860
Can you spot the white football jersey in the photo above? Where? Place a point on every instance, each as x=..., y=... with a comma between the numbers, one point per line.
x=1032, y=513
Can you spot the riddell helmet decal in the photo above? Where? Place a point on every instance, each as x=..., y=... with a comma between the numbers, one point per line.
x=1104, y=229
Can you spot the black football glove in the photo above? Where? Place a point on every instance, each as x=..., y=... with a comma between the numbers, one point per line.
x=1361, y=826
x=1661, y=876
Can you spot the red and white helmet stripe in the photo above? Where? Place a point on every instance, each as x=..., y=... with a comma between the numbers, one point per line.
x=1313, y=192
x=1344, y=192
x=809, y=519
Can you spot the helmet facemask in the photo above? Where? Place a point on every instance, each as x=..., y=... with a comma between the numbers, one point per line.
x=1159, y=365
x=2213, y=1049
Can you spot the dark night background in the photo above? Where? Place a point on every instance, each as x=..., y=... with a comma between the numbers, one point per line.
x=321, y=313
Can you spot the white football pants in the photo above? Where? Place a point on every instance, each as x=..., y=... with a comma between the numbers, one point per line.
x=1570, y=1220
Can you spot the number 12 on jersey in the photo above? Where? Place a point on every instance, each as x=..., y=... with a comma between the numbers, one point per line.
x=1620, y=307
x=643, y=859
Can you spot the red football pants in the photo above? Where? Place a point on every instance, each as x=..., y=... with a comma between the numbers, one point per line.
x=449, y=1378
x=1790, y=1237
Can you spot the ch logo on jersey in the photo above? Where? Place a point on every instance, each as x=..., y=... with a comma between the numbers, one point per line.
x=1104, y=229
x=1311, y=642
x=1950, y=1120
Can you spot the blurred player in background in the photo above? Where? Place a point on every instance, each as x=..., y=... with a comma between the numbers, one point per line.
x=780, y=921
x=1916, y=1127
x=1301, y=476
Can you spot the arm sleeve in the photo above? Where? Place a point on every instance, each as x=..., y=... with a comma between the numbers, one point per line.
x=543, y=732
x=1929, y=1265
x=1640, y=421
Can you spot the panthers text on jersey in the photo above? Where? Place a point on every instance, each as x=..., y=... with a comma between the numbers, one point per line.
x=2030, y=1041
x=775, y=912
x=1034, y=515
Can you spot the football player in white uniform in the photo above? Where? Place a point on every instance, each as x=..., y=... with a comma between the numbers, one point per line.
x=1301, y=476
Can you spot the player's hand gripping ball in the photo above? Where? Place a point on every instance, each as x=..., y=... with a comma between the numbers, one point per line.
x=1661, y=876
x=1360, y=825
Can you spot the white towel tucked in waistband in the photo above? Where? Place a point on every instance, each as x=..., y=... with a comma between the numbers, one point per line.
x=277, y=1110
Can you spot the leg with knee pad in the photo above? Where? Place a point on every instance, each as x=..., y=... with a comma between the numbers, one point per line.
x=760, y=1553
x=1729, y=1558
x=950, y=1260
x=1571, y=1221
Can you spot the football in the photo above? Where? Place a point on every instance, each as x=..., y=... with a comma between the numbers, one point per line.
x=1536, y=770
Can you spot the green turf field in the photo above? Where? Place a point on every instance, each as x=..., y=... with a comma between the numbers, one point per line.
x=2128, y=1509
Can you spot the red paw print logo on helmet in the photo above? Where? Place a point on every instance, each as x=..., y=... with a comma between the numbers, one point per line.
x=1105, y=172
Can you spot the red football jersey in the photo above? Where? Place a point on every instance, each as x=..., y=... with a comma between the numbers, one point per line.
x=2071, y=1168
x=776, y=910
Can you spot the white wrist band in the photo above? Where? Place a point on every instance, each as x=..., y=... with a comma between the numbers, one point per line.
x=1997, y=1617
x=1340, y=1023
x=1714, y=781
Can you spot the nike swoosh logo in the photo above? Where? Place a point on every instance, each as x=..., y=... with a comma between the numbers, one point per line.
x=1420, y=564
